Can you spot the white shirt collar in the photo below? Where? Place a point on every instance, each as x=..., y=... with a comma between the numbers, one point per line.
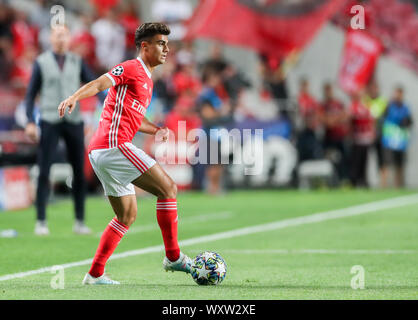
x=145, y=67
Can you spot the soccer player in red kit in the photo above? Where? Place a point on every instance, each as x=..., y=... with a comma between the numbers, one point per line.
x=118, y=163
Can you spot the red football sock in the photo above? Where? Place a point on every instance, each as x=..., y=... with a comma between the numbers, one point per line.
x=167, y=220
x=108, y=243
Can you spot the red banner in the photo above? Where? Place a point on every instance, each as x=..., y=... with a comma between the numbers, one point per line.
x=272, y=27
x=360, y=55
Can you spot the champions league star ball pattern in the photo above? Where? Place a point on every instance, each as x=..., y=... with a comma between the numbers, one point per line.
x=117, y=71
x=208, y=268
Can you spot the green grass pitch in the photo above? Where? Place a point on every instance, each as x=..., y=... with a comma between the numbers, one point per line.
x=305, y=261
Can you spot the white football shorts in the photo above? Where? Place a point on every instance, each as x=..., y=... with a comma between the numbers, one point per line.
x=117, y=167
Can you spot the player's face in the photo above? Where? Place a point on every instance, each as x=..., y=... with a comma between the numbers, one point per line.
x=157, y=49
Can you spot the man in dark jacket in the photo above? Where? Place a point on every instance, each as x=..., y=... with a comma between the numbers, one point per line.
x=56, y=74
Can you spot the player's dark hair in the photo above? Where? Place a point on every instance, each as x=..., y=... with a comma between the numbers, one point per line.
x=149, y=29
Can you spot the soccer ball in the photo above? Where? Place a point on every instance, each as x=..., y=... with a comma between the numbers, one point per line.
x=208, y=268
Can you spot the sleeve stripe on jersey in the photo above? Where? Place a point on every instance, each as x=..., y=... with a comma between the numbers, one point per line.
x=120, y=114
x=111, y=78
x=117, y=113
x=113, y=117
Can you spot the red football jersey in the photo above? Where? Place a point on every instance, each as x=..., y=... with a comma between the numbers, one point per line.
x=125, y=104
x=362, y=124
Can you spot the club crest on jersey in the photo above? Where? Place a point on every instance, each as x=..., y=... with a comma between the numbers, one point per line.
x=117, y=71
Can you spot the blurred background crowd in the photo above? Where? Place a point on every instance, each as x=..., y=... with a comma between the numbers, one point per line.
x=317, y=131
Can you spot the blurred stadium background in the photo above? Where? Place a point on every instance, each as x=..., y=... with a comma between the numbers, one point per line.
x=276, y=84
x=235, y=64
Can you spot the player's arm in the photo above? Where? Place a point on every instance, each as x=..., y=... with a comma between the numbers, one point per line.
x=89, y=89
x=150, y=128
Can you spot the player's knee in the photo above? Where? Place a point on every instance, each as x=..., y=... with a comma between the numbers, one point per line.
x=128, y=217
x=128, y=220
x=131, y=220
x=170, y=191
x=173, y=191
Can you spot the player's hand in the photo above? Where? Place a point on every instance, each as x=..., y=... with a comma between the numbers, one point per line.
x=31, y=132
x=67, y=103
x=162, y=134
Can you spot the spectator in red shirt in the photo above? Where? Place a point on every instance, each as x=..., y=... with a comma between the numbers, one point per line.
x=186, y=81
x=129, y=21
x=183, y=111
x=336, y=124
x=24, y=35
x=83, y=43
x=307, y=103
x=363, y=136
x=308, y=143
x=103, y=6
x=22, y=69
